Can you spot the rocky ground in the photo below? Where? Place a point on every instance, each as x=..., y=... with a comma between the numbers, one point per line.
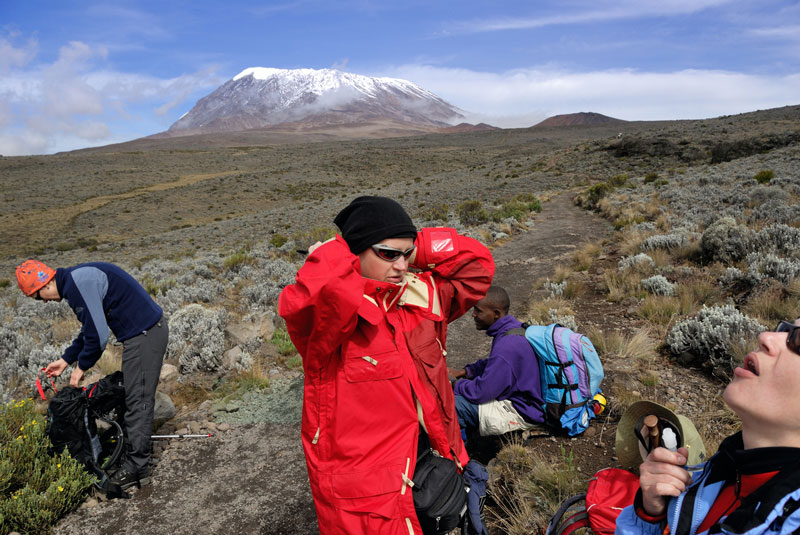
x=250, y=476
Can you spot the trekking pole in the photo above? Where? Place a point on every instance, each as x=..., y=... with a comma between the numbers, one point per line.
x=652, y=427
x=156, y=437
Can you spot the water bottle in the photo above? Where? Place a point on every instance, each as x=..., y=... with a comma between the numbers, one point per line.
x=669, y=439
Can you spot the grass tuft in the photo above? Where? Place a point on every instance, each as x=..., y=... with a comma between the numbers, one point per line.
x=531, y=486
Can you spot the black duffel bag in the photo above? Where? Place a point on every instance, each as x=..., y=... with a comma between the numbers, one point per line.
x=440, y=496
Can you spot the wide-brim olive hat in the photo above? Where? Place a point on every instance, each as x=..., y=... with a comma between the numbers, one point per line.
x=631, y=452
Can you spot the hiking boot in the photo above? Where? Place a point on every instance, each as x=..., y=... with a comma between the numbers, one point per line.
x=126, y=479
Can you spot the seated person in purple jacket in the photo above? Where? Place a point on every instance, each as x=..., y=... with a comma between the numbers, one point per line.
x=502, y=392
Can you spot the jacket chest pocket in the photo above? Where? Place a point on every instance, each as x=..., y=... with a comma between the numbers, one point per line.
x=360, y=367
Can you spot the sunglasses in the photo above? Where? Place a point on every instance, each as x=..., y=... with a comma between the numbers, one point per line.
x=37, y=296
x=390, y=254
x=793, y=337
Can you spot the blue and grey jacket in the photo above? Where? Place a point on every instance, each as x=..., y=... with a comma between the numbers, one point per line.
x=774, y=508
x=103, y=297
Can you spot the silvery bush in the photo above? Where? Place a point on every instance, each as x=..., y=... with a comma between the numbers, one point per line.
x=708, y=339
x=774, y=267
x=639, y=261
x=673, y=240
x=726, y=241
x=736, y=277
x=196, y=338
x=658, y=285
x=556, y=289
x=565, y=320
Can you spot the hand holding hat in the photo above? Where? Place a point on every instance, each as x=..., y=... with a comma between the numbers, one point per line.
x=631, y=452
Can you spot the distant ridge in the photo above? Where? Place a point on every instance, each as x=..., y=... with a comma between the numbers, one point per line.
x=584, y=118
x=467, y=127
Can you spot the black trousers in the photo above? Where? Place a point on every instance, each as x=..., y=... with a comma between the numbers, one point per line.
x=142, y=357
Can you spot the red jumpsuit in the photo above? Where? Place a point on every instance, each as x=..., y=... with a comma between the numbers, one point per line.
x=364, y=397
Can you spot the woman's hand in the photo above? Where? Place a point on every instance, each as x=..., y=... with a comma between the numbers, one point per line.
x=662, y=476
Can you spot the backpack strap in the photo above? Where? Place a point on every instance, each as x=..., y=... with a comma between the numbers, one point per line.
x=574, y=521
x=518, y=331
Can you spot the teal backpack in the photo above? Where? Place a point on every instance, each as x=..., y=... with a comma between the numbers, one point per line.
x=571, y=374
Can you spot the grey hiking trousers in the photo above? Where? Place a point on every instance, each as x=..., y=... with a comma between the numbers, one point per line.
x=142, y=357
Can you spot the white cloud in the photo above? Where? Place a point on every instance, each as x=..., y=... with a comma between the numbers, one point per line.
x=587, y=12
x=11, y=56
x=73, y=102
x=791, y=32
x=522, y=97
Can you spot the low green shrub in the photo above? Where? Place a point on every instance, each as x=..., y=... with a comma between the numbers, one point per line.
x=236, y=260
x=594, y=193
x=307, y=238
x=764, y=176
x=617, y=181
x=437, y=212
x=518, y=207
x=36, y=488
x=278, y=240
x=471, y=213
x=155, y=287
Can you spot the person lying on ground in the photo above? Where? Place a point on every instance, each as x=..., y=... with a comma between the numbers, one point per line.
x=752, y=484
x=361, y=321
x=104, y=297
x=502, y=392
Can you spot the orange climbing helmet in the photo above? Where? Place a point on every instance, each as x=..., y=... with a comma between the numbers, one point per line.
x=33, y=275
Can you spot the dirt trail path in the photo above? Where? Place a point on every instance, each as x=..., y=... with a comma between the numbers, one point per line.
x=558, y=230
x=252, y=479
x=29, y=224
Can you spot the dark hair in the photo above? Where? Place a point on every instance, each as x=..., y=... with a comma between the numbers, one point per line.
x=497, y=297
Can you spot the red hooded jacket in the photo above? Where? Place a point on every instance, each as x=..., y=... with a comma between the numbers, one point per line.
x=373, y=355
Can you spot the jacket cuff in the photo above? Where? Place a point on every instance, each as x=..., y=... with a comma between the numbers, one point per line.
x=644, y=515
x=435, y=245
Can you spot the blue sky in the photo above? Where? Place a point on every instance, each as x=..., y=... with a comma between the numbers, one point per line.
x=76, y=74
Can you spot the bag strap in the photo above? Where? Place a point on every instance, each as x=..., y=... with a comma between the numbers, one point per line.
x=39, y=384
x=574, y=522
x=517, y=331
x=565, y=505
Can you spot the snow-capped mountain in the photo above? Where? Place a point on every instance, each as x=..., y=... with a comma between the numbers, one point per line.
x=262, y=97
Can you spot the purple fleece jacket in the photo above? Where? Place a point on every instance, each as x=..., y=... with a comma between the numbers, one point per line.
x=511, y=371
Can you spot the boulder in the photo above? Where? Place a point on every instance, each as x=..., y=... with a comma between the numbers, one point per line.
x=164, y=408
x=169, y=372
x=243, y=332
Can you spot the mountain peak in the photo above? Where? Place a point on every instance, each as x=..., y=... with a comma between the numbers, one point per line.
x=260, y=97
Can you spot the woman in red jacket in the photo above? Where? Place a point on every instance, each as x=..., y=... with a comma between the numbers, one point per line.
x=371, y=335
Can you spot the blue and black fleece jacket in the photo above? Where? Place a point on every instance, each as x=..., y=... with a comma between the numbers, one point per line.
x=103, y=297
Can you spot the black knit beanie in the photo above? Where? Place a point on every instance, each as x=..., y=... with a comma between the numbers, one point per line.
x=369, y=220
